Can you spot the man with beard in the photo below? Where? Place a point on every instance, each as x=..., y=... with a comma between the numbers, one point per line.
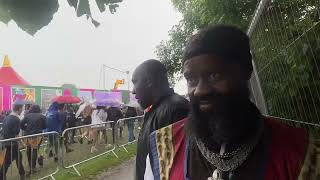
x=162, y=106
x=225, y=137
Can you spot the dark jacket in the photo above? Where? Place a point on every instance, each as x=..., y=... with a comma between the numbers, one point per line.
x=114, y=114
x=71, y=119
x=33, y=123
x=131, y=112
x=11, y=127
x=166, y=111
x=63, y=119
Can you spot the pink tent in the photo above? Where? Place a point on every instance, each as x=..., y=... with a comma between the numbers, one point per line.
x=8, y=76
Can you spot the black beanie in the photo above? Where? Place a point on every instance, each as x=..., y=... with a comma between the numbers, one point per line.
x=227, y=42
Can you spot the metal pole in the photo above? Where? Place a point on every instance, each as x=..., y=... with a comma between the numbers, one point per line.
x=128, y=81
x=260, y=101
x=104, y=77
x=257, y=16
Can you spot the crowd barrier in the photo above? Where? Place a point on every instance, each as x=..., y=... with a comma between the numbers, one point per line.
x=33, y=156
x=73, y=147
x=90, y=142
x=128, y=131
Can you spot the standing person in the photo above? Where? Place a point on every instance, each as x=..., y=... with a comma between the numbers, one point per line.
x=161, y=104
x=98, y=116
x=225, y=136
x=62, y=114
x=26, y=109
x=131, y=112
x=86, y=119
x=72, y=120
x=54, y=123
x=114, y=114
x=11, y=129
x=33, y=123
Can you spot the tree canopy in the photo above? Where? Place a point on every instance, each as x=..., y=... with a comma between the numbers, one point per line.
x=196, y=15
x=285, y=45
x=32, y=15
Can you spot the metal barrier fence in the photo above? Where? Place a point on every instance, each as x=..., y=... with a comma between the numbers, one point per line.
x=128, y=131
x=32, y=160
x=42, y=154
x=99, y=141
x=285, y=45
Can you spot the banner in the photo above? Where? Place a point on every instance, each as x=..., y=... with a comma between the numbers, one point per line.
x=5, y=97
x=100, y=95
x=116, y=96
x=27, y=94
x=112, y=96
x=47, y=95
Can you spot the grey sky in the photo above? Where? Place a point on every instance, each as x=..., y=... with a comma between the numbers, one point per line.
x=72, y=50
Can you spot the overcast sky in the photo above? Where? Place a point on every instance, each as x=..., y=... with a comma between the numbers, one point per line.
x=72, y=50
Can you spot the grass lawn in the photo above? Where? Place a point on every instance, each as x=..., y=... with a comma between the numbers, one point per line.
x=94, y=167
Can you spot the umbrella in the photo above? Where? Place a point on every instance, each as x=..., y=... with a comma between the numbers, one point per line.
x=82, y=108
x=66, y=99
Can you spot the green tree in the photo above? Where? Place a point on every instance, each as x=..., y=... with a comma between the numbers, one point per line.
x=196, y=15
x=285, y=45
x=32, y=15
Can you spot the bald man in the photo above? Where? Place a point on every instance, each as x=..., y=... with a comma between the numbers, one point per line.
x=162, y=106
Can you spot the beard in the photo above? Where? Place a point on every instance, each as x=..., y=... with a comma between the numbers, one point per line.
x=233, y=119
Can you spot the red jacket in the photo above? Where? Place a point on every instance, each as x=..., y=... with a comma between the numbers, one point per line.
x=290, y=154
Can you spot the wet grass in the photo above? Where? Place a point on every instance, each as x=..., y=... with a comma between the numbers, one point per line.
x=80, y=152
x=91, y=169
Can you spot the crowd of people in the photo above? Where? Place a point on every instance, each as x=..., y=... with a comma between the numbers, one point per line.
x=25, y=119
x=218, y=134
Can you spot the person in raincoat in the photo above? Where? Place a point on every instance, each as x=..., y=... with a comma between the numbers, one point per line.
x=54, y=123
x=98, y=116
x=84, y=113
